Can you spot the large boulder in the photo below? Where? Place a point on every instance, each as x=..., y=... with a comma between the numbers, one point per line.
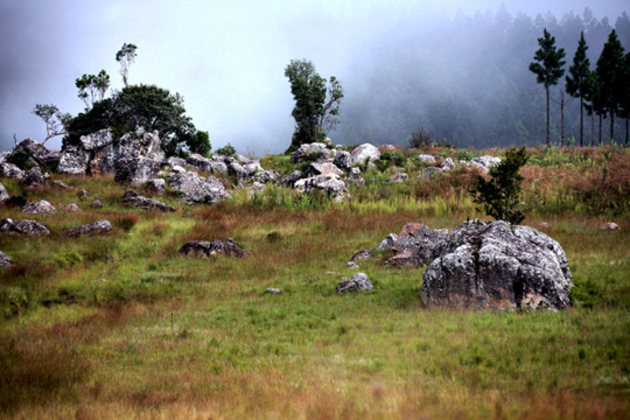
x=322, y=168
x=207, y=248
x=5, y=261
x=343, y=160
x=331, y=185
x=41, y=207
x=23, y=227
x=194, y=189
x=136, y=170
x=9, y=170
x=73, y=161
x=360, y=281
x=417, y=245
x=310, y=152
x=100, y=227
x=364, y=152
x=38, y=153
x=499, y=266
x=215, y=165
x=97, y=140
x=33, y=177
x=140, y=144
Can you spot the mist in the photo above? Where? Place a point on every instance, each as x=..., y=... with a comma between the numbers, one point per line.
x=402, y=65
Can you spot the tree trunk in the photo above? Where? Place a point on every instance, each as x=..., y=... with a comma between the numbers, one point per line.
x=600, y=130
x=548, y=131
x=562, y=117
x=592, y=129
x=612, y=125
x=581, y=122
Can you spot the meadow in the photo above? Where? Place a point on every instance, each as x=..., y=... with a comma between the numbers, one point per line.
x=121, y=327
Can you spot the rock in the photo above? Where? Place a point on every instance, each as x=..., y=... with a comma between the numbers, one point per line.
x=430, y=173
x=388, y=242
x=426, y=159
x=194, y=189
x=39, y=154
x=140, y=144
x=363, y=153
x=5, y=261
x=97, y=228
x=73, y=161
x=399, y=178
x=173, y=161
x=97, y=140
x=484, y=162
x=351, y=264
x=360, y=281
x=3, y=156
x=23, y=227
x=343, y=160
x=244, y=160
x=72, y=208
x=610, y=226
x=205, y=249
x=354, y=177
x=273, y=291
x=216, y=165
x=131, y=197
x=41, y=207
x=137, y=170
x=9, y=170
x=310, y=152
x=96, y=204
x=292, y=178
x=33, y=177
x=82, y=193
x=4, y=195
x=417, y=246
x=61, y=184
x=156, y=186
x=253, y=171
x=322, y=168
x=447, y=165
x=331, y=185
x=498, y=266
x=362, y=255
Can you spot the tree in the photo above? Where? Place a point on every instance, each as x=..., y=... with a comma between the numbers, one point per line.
x=56, y=122
x=92, y=88
x=609, y=70
x=548, y=67
x=126, y=56
x=500, y=195
x=594, y=103
x=624, y=105
x=313, y=114
x=576, y=80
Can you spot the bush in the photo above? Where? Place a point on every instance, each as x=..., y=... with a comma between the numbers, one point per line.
x=227, y=150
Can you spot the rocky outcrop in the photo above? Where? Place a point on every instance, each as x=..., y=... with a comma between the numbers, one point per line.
x=139, y=202
x=331, y=185
x=215, y=165
x=194, y=189
x=23, y=227
x=498, y=266
x=5, y=261
x=173, y=161
x=9, y=170
x=310, y=152
x=388, y=242
x=322, y=168
x=292, y=178
x=73, y=161
x=205, y=249
x=156, y=186
x=360, y=281
x=136, y=170
x=343, y=160
x=417, y=246
x=364, y=152
x=426, y=159
x=39, y=154
x=34, y=178
x=97, y=228
x=41, y=207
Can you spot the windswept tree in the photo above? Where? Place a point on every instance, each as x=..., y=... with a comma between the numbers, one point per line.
x=610, y=73
x=548, y=67
x=56, y=122
x=126, y=56
x=577, y=79
x=316, y=104
x=92, y=88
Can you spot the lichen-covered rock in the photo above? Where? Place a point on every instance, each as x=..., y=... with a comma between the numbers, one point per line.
x=137, y=170
x=194, y=189
x=498, y=266
x=322, y=168
x=388, y=242
x=331, y=185
x=360, y=281
x=9, y=170
x=33, y=177
x=362, y=255
x=72, y=208
x=309, y=151
x=292, y=178
x=97, y=140
x=426, y=159
x=417, y=245
x=100, y=227
x=364, y=152
x=343, y=160
x=156, y=186
x=73, y=161
x=131, y=197
x=484, y=162
x=5, y=261
x=97, y=204
x=207, y=248
x=448, y=165
x=140, y=144
x=215, y=165
x=41, y=207
x=23, y=227
x=173, y=161
x=39, y=154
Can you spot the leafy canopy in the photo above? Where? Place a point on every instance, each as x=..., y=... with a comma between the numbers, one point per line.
x=499, y=196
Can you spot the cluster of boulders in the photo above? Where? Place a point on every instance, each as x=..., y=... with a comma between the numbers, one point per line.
x=483, y=265
x=484, y=163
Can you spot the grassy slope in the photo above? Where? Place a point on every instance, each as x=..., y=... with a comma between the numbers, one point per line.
x=121, y=327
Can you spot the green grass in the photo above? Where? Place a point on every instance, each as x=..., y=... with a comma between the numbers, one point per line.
x=121, y=326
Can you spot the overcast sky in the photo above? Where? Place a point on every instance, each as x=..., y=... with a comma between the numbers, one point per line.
x=226, y=58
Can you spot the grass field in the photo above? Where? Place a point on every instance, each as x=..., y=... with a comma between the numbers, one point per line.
x=121, y=327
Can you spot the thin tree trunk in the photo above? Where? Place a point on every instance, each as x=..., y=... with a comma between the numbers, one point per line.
x=581, y=122
x=612, y=125
x=627, y=118
x=548, y=131
x=592, y=129
x=600, y=130
x=562, y=117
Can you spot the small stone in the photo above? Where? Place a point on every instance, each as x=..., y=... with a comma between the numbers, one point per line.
x=72, y=208
x=360, y=281
x=273, y=291
x=5, y=261
x=361, y=255
x=351, y=264
x=97, y=228
x=610, y=226
x=82, y=193
x=97, y=204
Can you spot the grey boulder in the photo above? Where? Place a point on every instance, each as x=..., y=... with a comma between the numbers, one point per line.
x=23, y=227
x=9, y=170
x=360, y=281
x=484, y=162
x=5, y=261
x=364, y=152
x=100, y=227
x=310, y=151
x=331, y=185
x=131, y=197
x=416, y=246
x=195, y=189
x=388, y=242
x=136, y=170
x=41, y=207
x=3, y=193
x=33, y=177
x=205, y=249
x=156, y=186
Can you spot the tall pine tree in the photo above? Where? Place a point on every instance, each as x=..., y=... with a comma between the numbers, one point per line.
x=609, y=70
x=576, y=81
x=548, y=67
